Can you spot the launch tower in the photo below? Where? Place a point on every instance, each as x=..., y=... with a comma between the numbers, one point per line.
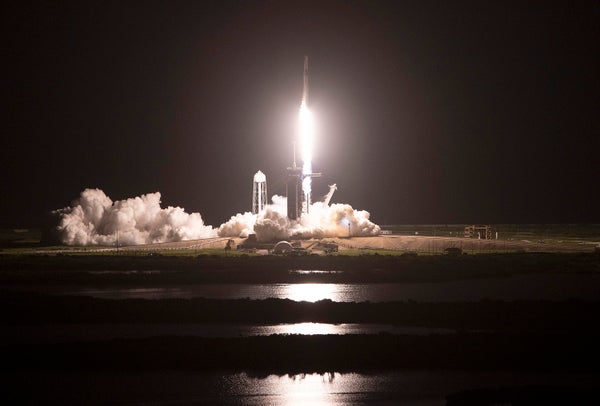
x=294, y=190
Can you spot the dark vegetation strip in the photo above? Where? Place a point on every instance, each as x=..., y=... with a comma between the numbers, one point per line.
x=31, y=308
x=277, y=354
x=87, y=269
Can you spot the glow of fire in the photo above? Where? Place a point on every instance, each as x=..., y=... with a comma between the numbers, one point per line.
x=306, y=145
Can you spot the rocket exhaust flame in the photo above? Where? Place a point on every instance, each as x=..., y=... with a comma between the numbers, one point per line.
x=306, y=140
x=94, y=219
x=299, y=183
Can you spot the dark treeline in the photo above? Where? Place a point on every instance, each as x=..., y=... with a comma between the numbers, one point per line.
x=295, y=354
x=142, y=270
x=573, y=315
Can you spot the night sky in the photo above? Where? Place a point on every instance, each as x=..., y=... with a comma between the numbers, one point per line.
x=426, y=112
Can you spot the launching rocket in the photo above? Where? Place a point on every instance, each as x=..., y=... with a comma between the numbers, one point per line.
x=299, y=179
x=305, y=89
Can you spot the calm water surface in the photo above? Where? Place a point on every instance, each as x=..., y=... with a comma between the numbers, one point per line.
x=60, y=333
x=518, y=287
x=415, y=387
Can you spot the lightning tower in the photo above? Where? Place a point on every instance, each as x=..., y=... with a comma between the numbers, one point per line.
x=259, y=192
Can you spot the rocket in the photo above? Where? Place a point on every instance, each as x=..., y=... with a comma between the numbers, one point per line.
x=305, y=89
x=298, y=198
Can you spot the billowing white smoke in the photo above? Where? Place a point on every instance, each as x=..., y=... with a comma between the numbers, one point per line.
x=94, y=219
x=273, y=223
x=337, y=220
x=240, y=225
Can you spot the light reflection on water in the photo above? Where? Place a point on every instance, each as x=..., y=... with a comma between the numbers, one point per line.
x=60, y=333
x=414, y=387
x=308, y=328
x=309, y=292
x=313, y=272
x=305, y=389
x=344, y=328
x=312, y=292
x=401, y=387
x=308, y=389
x=517, y=287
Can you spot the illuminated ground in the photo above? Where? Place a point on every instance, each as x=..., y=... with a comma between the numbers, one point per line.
x=419, y=244
x=438, y=244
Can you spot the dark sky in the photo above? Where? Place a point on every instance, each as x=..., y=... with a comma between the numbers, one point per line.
x=426, y=112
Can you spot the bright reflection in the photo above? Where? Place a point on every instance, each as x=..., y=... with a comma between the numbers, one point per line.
x=306, y=144
x=308, y=328
x=312, y=292
x=306, y=137
x=313, y=271
x=308, y=389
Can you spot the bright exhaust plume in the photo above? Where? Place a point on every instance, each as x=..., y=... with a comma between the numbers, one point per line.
x=306, y=145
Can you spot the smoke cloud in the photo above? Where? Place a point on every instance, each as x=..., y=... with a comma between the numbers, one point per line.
x=94, y=219
x=336, y=220
x=240, y=225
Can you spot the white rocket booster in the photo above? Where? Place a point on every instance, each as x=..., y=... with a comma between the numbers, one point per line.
x=300, y=179
x=305, y=89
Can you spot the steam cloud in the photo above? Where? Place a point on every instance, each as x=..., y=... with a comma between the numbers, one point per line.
x=336, y=220
x=94, y=219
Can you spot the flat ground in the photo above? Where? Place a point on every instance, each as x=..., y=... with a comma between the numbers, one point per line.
x=401, y=243
x=422, y=239
x=427, y=244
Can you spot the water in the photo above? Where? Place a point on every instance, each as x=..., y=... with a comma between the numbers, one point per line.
x=517, y=287
x=168, y=387
x=60, y=333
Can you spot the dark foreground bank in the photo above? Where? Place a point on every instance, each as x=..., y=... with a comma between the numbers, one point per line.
x=573, y=316
x=117, y=270
x=284, y=354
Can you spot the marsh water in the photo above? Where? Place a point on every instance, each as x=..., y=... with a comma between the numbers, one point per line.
x=416, y=387
x=419, y=387
x=61, y=333
x=554, y=286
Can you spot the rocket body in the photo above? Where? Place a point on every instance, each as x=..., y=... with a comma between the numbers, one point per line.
x=305, y=88
x=306, y=139
x=300, y=179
